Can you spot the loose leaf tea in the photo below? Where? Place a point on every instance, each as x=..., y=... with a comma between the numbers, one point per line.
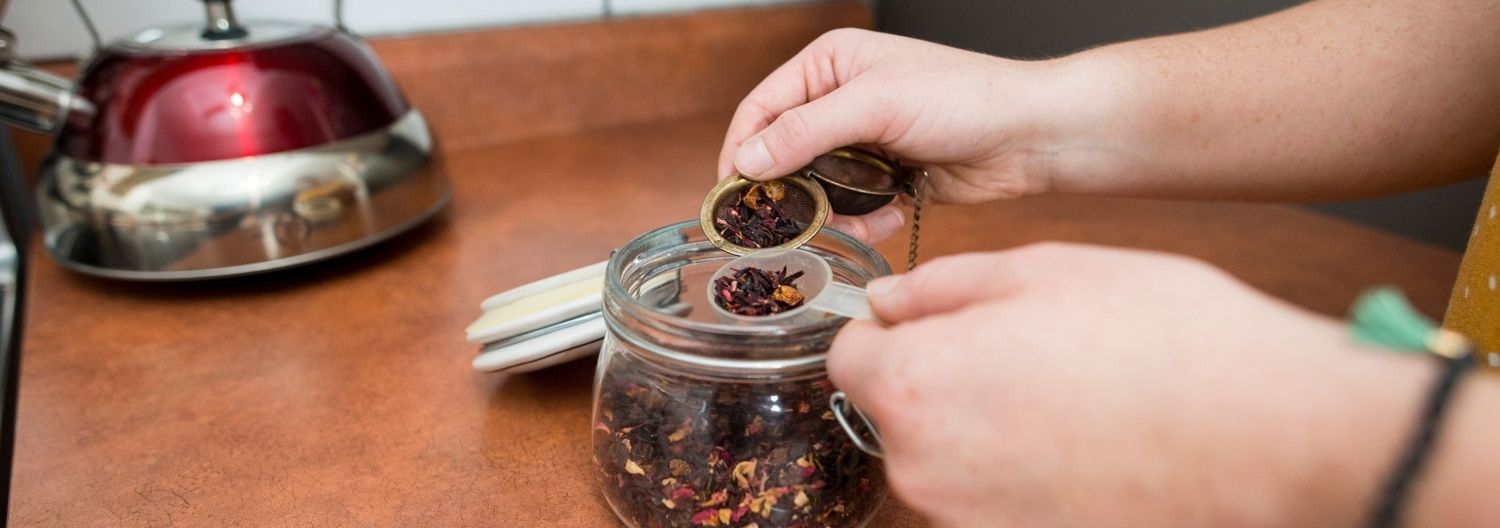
x=673, y=453
x=757, y=220
x=753, y=291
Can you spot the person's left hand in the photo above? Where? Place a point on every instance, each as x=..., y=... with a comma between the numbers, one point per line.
x=1066, y=385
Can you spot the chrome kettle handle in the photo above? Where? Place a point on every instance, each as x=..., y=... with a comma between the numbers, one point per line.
x=88, y=24
x=32, y=98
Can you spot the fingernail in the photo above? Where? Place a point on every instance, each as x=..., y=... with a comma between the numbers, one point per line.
x=887, y=222
x=883, y=286
x=753, y=159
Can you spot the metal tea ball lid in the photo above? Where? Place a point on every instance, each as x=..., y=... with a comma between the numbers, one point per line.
x=858, y=181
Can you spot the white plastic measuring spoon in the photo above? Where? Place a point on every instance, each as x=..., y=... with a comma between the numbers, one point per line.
x=817, y=286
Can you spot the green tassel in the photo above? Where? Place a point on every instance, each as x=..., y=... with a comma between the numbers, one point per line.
x=1382, y=317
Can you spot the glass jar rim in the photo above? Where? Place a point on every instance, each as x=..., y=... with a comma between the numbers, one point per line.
x=617, y=291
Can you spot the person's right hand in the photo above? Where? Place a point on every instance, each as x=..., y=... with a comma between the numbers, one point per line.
x=973, y=121
x=1071, y=385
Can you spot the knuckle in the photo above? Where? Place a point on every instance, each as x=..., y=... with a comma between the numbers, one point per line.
x=795, y=128
x=843, y=36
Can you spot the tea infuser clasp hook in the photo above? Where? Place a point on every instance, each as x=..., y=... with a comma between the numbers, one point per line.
x=838, y=402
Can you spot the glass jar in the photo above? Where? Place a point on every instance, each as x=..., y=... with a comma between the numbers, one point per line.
x=703, y=422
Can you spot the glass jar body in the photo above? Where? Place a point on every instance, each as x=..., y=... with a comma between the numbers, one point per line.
x=698, y=422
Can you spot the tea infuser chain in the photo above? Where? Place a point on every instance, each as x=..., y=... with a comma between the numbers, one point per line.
x=919, y=198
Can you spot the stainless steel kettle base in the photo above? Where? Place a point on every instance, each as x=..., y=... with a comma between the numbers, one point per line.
x=79, y=263
x=241, y=216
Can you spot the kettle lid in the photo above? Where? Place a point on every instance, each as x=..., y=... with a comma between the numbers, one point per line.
x=221, y=32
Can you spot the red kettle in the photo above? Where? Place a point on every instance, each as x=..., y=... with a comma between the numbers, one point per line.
x=223, y=149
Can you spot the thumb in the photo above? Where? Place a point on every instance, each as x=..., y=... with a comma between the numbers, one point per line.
x=845, y=116
x=943, y=285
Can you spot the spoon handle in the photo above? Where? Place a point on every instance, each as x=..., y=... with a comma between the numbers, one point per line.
x=842, y=299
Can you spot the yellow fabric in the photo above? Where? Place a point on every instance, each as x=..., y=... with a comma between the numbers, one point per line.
x=1474, y=307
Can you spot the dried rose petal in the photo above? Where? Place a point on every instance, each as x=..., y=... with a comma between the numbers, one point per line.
x=717, y=498
x=678, y=434
x=708, y=517
x=742, y=473
x=755, y=427
x=632, y=468
x=808, y=465
x=762, y=503
x=740, y=456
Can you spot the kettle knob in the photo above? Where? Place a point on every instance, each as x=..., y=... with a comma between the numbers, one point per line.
x=221, y=22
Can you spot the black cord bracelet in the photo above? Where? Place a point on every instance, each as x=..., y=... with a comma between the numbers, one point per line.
x=1394, y=493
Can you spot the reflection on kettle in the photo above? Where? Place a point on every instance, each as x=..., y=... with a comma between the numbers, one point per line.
x=221, y=150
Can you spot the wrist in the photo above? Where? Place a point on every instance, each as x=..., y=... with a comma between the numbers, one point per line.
x=1367, y=404
x=1357, y=432
x=1085, y=110
x=1461, y=469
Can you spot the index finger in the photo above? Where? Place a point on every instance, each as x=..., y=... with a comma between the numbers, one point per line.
x=810, y=74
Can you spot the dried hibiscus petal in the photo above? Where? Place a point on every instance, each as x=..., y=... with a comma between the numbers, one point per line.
x=753, y=291
x=756, y=219
x=747, y=459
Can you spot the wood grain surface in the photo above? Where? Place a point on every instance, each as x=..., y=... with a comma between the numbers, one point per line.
x=340, y=394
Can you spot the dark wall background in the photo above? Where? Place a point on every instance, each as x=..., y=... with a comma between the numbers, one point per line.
x=1049, y=28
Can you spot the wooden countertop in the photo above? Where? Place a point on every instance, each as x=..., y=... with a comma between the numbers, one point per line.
x=340, y=393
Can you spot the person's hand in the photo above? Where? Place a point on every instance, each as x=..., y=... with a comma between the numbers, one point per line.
x=1064, y=385
x=972, y=120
